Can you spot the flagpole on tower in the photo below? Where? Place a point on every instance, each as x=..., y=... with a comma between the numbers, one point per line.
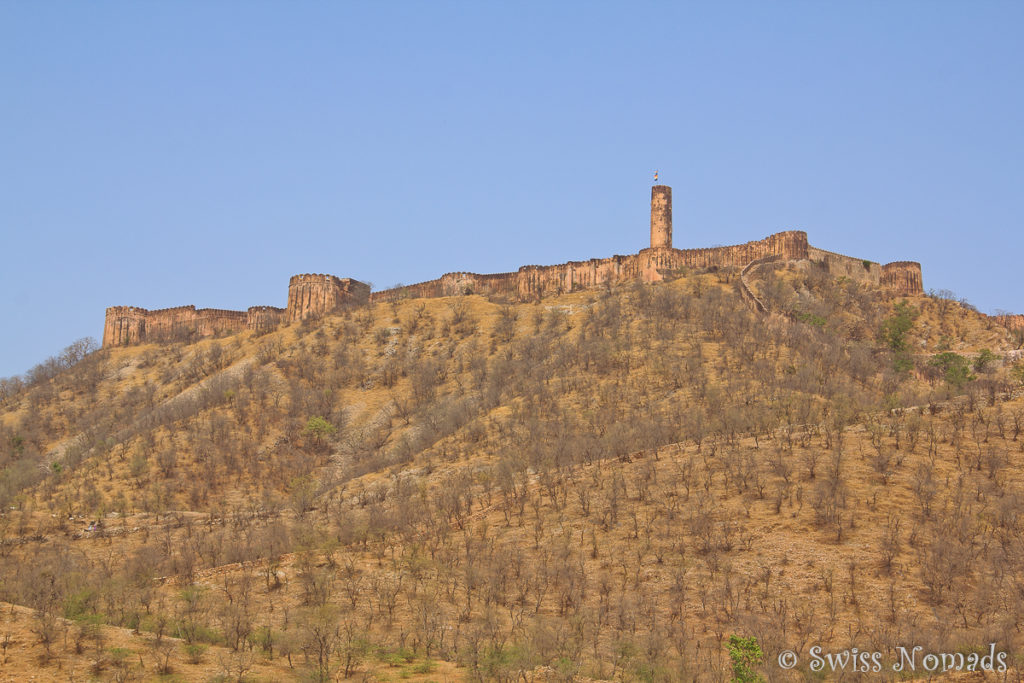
x=655, y=176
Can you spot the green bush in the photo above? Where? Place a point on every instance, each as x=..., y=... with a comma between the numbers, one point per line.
x=811, y=319
x=895, y=328
x=956, y=369
x=745, y=654
x=424, y=667
x=194, y=652
x=319, y=428
x=1018, y=372
x=984, y=360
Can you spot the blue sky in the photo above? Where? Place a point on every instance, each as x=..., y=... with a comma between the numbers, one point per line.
x=162, y=154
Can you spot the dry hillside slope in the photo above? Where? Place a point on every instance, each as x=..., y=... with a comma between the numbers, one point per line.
x=604, y=485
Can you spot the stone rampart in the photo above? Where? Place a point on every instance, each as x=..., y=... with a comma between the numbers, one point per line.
x=903, y=277
x=124, y=325
x=791, y=244
x=308, y=295
x=314, y=295
x=184, y=323
x=263, y=318
x=839, y=265
x=1011, y=321
x=133, y=325
x=649, y=265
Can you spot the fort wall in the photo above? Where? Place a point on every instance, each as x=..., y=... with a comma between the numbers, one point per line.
x=263, y=318
x=187, y=322
x=839, y=265
x=127, y=325
x=124, y=325
x=1012, y=321
x=313, y=295
x=650, y=265
x=903, y=277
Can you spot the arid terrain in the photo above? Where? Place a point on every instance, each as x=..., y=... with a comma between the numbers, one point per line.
x=602, y=485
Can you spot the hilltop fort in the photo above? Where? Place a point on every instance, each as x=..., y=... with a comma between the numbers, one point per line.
x=312, y=295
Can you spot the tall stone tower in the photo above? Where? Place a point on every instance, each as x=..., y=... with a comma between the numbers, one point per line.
x=661, y=217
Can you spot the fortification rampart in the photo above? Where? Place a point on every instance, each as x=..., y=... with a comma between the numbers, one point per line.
x=263, y=318
x=313, y=295
x=1011, y=321
x=791, y=244
x=127, y=325
x=903, y=277
x=839, y=265
x=124, y=325
x=187, y=322
x=649, y=265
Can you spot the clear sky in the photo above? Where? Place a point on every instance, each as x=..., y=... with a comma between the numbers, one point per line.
x=162, y=154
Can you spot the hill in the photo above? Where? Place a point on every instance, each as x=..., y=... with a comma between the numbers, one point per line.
x=596, y=485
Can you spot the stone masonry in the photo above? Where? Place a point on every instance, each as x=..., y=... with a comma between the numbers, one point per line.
x=315, y=295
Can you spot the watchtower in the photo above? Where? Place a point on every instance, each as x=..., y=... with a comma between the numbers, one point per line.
x=661, y=217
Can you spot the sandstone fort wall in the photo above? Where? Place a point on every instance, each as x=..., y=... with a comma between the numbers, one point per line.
x=649, y=265
x=903, y=277
x=839, y=265
x=263, y=318
x=1013, y=322
x=313, y=295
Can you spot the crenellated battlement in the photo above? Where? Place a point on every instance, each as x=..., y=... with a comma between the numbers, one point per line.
x=127, y=310
x=311, y=295
x=172, y=310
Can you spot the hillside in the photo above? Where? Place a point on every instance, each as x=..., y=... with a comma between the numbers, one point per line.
x=600, y=485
